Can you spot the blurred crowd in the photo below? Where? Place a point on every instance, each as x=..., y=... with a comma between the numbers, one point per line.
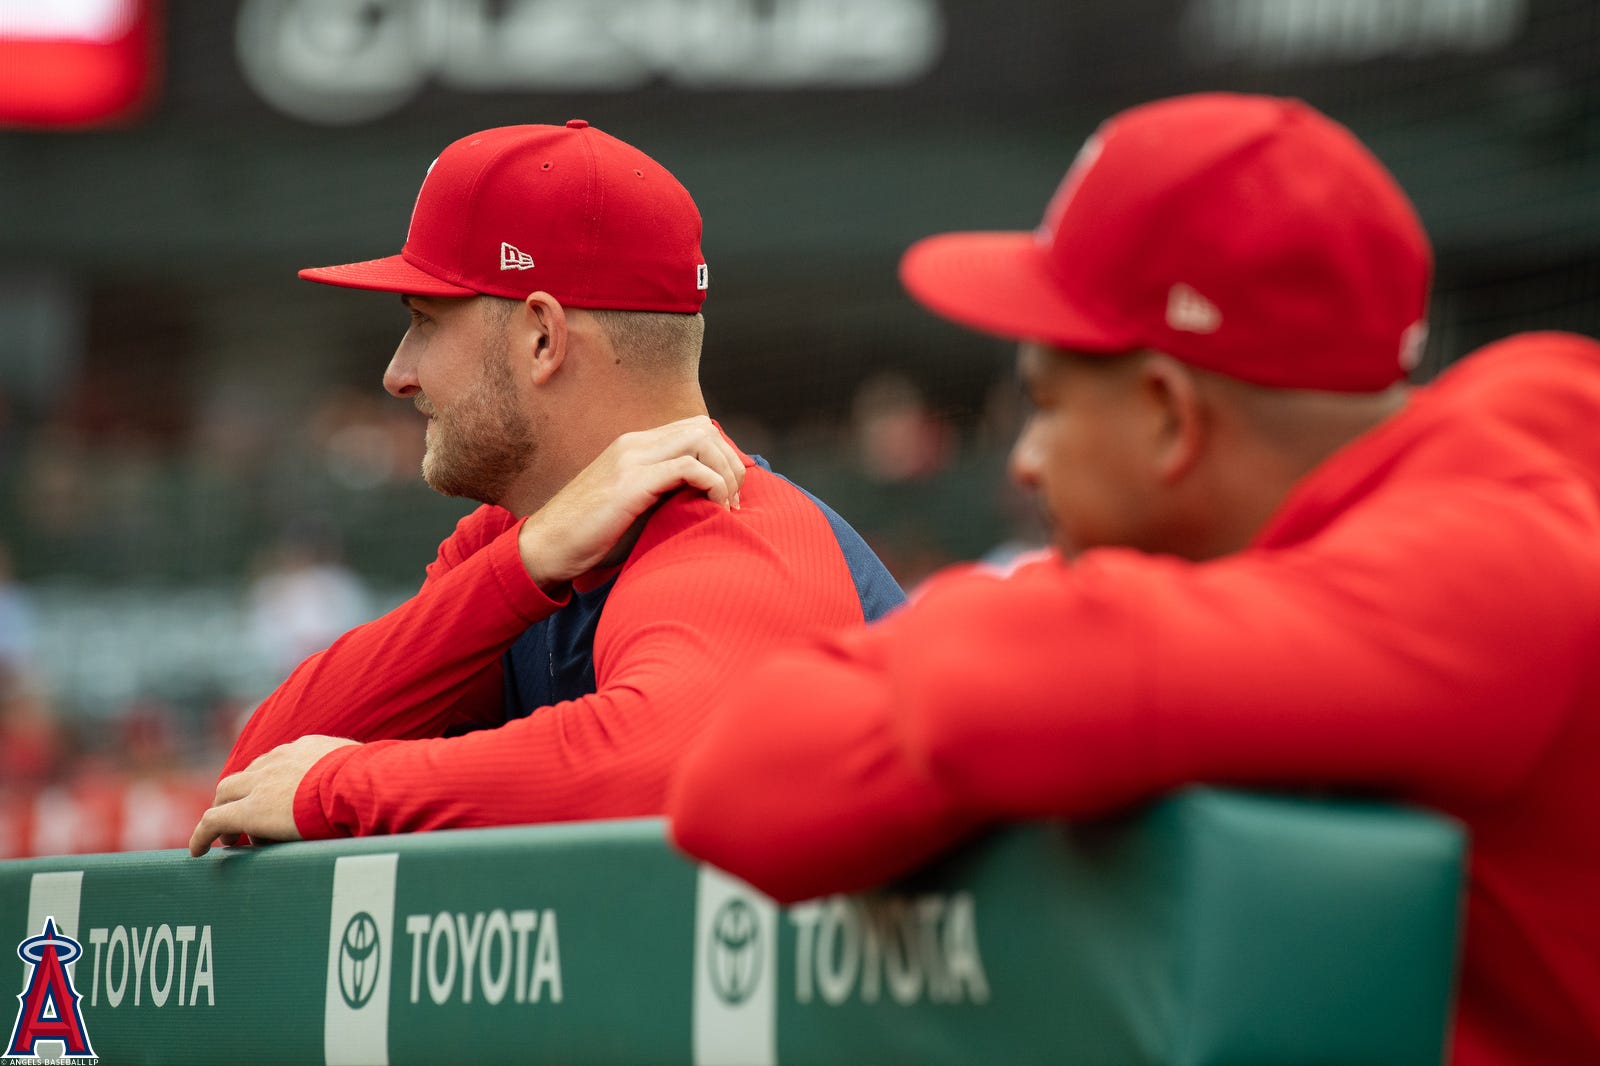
x=153, y=589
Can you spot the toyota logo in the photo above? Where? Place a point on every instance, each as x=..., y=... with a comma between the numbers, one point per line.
x=735, y=956
x=359, y=956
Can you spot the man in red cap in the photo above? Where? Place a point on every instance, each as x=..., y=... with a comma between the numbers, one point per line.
x=559, y=655
x=1274, y=564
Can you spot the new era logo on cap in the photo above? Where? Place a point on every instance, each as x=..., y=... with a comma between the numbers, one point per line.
x=1414, y=340
x=702, y=277
x=514, y=258
x=1190, y=312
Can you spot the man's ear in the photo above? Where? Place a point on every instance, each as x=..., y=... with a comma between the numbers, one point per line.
x=1181, y=420
x=540, y=332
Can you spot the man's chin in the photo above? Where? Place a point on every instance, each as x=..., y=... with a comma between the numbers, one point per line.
x=442, y=482
x=458, y=488
x=1057, y=537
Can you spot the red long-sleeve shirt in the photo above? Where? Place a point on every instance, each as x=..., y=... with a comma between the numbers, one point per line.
x=702, y=590
x=1420, y=620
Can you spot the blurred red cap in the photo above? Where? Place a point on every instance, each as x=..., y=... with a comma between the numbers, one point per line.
x=1248, y=235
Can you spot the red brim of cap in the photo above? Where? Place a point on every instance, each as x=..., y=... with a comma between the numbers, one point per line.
x=390, y=274
x=1000, y=283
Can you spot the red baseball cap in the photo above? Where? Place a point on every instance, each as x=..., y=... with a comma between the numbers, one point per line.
x=1248, y=235
x=565, y=209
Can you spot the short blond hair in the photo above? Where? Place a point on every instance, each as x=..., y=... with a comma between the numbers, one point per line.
x=654, y=341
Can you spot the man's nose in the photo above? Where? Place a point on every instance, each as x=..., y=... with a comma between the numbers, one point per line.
x=1023, y=463
x=400, y=379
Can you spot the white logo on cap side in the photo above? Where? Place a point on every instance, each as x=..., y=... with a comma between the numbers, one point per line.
x=702, y=277
x=1412, y=342
x=514, y=258
x=1189, y=312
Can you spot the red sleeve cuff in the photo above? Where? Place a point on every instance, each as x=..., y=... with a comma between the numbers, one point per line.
x=316, y=813
x=521, y=593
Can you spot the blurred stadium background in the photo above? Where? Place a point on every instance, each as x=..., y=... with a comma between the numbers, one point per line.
x=201, y=478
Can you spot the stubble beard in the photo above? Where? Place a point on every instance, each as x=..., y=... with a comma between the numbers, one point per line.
x=478, y=448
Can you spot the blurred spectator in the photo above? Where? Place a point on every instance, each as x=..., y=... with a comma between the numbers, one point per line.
x=34, y=743
x=18, y=632
x=898, y=436
x=366, y=441
x=149, y=735
x=304, y=597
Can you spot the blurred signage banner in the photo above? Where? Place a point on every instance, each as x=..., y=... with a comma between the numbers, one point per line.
x=76, y=63
x=348, y=61
x=1286, y=33
x=344, y=62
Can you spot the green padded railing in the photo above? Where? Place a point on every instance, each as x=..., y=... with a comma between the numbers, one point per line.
x=1215, y=927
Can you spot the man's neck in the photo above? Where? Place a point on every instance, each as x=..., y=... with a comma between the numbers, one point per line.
x=565, y=450
x=1268, y=454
